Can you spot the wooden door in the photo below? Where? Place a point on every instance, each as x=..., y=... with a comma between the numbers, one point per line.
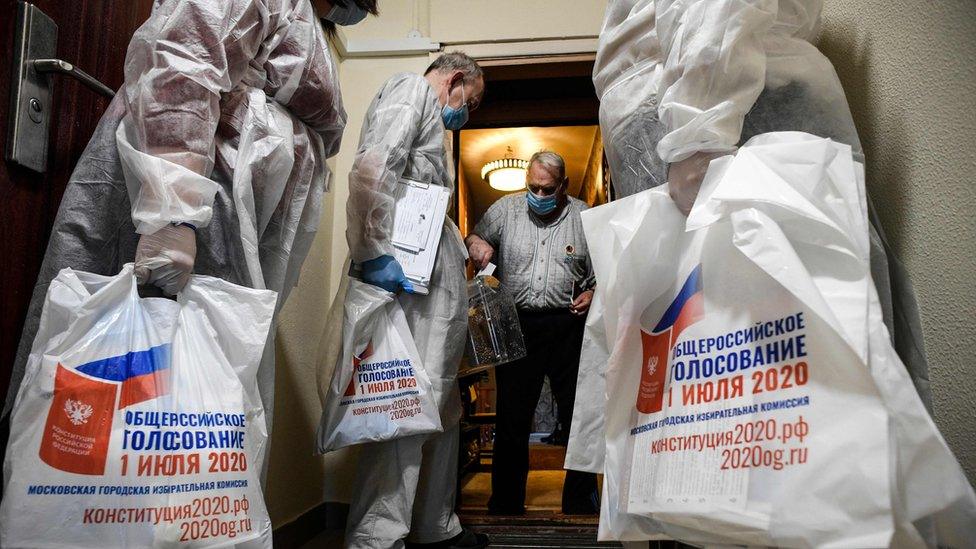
x=93, y=35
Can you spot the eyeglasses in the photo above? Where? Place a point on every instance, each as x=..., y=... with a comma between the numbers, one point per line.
x=471, y=102
x=539, y=189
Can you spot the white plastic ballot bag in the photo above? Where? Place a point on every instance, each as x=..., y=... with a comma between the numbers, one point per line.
x=586, y=447
x=754, y=394
x=379, y=389
x=138, y=422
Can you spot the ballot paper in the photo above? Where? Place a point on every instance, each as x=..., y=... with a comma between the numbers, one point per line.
x=415, y=206
x=488, y=270
x=418, y=217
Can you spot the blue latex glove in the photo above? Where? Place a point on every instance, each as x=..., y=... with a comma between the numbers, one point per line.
x=385, y=271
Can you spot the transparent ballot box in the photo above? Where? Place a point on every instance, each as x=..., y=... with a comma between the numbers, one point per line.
x=494, y=333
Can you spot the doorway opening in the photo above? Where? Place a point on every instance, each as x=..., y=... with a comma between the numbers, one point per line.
x=582, y=149
x=530, y=105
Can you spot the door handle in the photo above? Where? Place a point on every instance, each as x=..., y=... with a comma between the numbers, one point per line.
x=59, y=66
x=35, y=48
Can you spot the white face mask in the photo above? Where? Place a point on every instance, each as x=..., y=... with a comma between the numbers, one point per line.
x=349, y=14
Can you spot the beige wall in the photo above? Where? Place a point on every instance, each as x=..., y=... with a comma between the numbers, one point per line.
x=910, y=78
x=466, y=21
x=491, y=27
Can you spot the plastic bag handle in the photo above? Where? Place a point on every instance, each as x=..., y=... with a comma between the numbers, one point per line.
x=150, y=291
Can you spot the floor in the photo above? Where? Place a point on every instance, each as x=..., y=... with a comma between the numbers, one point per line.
x=537, y=529
x=543, y=525
x=543, y=491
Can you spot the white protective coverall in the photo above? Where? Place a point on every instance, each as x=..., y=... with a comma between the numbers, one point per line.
x=228, y=112
x=677, y=77
x=408, y=485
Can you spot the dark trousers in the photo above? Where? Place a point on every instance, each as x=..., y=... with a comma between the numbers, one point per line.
x=552, y=341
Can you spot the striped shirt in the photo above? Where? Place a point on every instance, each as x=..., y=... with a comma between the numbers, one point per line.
x=538, y=262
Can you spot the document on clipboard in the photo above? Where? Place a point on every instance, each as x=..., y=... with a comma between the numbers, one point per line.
x=418, y=219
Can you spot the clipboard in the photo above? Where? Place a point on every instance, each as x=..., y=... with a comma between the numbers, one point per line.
x=418, y=220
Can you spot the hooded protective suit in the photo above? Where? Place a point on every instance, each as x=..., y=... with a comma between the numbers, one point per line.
x=409, y=484
x=676, y=77
x=227, y=115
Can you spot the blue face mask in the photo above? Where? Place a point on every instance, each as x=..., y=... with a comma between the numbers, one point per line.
x=350, y=14
x=541, y=206
x=453, y=118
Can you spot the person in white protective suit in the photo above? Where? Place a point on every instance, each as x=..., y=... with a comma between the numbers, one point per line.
x=684, y=81
x=407, y=486
x=211, y=157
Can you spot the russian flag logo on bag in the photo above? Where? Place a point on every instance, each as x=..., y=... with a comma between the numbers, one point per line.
x=356, y=361
x=686, y=309
x=79, y=422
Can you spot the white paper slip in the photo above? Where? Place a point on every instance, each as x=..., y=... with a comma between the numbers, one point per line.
x=488, y=270
x=412, y=263
x=418, y=222
x=416, y=204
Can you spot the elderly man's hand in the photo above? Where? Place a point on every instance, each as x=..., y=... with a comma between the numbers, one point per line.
x=685, y=179
x=480, y=251
x=582, y=303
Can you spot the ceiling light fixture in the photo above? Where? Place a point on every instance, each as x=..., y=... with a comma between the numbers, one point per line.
x=506, y=174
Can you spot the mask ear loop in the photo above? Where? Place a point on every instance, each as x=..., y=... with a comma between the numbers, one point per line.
x=447, y=100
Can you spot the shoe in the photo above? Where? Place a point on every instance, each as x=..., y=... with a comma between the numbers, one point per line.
x=557, y=437
x=589, y=506
x=467, y=539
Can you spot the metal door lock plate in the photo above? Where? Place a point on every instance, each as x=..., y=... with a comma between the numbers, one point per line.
x=34, y=64
x=36, y=37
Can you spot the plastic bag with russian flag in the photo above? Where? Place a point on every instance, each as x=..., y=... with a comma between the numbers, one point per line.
x=753, y=396
x=138, y=422
x=379, y=389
